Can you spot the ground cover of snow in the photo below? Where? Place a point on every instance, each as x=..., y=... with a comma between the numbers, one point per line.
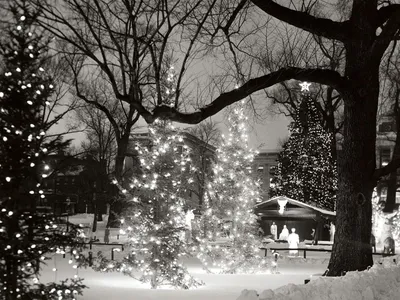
x=217, y=286
x=381, y=282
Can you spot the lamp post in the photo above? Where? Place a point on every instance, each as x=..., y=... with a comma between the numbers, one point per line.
x=67, y=204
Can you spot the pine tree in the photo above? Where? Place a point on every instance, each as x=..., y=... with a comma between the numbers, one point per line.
x=306, y=170
x=27, y=238
x=155, y=222
x=231, y=196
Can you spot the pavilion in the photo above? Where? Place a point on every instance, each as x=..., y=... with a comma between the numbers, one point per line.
x=295, y=214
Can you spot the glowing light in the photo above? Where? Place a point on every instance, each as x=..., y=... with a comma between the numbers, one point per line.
x=282, y=203
x=305, y=86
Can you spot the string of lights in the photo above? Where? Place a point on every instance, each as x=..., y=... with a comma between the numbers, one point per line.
x=306, y=170
x=228, y=240
x=28, y=239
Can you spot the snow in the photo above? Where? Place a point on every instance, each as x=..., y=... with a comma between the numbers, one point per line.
x=217, y=286
x=381, y=282
x=323, y=211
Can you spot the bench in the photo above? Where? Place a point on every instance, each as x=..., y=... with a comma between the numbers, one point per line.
x=104, y=244
x=298, y=249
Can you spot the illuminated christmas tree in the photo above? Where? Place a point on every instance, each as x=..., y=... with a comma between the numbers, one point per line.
x=27, y=238
x=155, y=223
x=306, y=170
x=231, y=196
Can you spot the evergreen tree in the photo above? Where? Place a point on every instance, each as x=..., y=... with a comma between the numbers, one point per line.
x=231, y=196
x=27, y=238
x=155, y=222
x=306, y=170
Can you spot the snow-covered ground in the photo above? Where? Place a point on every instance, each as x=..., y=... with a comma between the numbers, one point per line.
x=219, y=287
x=382, y=282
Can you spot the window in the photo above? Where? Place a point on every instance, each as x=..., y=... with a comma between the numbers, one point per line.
x=383, y=194
x=384, y=156
x=387, y=127
x=397, y=197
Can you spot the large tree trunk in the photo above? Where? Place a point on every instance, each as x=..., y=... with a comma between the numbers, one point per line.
x=351, y=250
x=117, y=205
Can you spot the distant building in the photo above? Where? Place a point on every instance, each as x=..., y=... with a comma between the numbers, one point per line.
x=385, y=141
x=202, y=155
x=263, y=163
x=73, y=185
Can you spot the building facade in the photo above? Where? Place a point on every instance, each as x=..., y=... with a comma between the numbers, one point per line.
x=74, y=185
x=202, y=156
x=263, y=166
x=385, y=141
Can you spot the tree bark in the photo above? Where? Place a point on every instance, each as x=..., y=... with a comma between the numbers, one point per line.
x=351, y=249
x=391, y=193
x=117, y=205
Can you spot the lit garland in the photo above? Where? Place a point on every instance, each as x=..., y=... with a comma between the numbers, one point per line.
x=230, y=198
x=155, y=221
x=306, y=170
x=27, y=238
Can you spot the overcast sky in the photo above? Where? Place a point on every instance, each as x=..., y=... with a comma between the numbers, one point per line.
x=262, y=136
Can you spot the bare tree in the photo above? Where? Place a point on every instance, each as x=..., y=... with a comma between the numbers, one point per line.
x=208, y=135
x=100, y=136
x=293, y=46
x=130, y=46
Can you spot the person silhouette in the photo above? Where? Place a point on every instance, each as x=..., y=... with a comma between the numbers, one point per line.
x=284, y=234
x=332, y=231
x=274, y=231
x=293, y=240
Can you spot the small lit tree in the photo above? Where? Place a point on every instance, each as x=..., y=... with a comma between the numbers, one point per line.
x=231, y=196
x=306, y=170
x=27, y=237
x=155, y=222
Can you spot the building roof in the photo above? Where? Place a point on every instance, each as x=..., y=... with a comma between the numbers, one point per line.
x=295, y=202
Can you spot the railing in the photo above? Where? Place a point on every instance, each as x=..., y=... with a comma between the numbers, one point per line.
x=313, y=250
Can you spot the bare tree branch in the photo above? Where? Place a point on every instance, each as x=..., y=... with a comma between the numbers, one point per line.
x=326, y=77
x=319, y=26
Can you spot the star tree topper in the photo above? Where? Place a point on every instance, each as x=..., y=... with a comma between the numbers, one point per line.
x=305, y=86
